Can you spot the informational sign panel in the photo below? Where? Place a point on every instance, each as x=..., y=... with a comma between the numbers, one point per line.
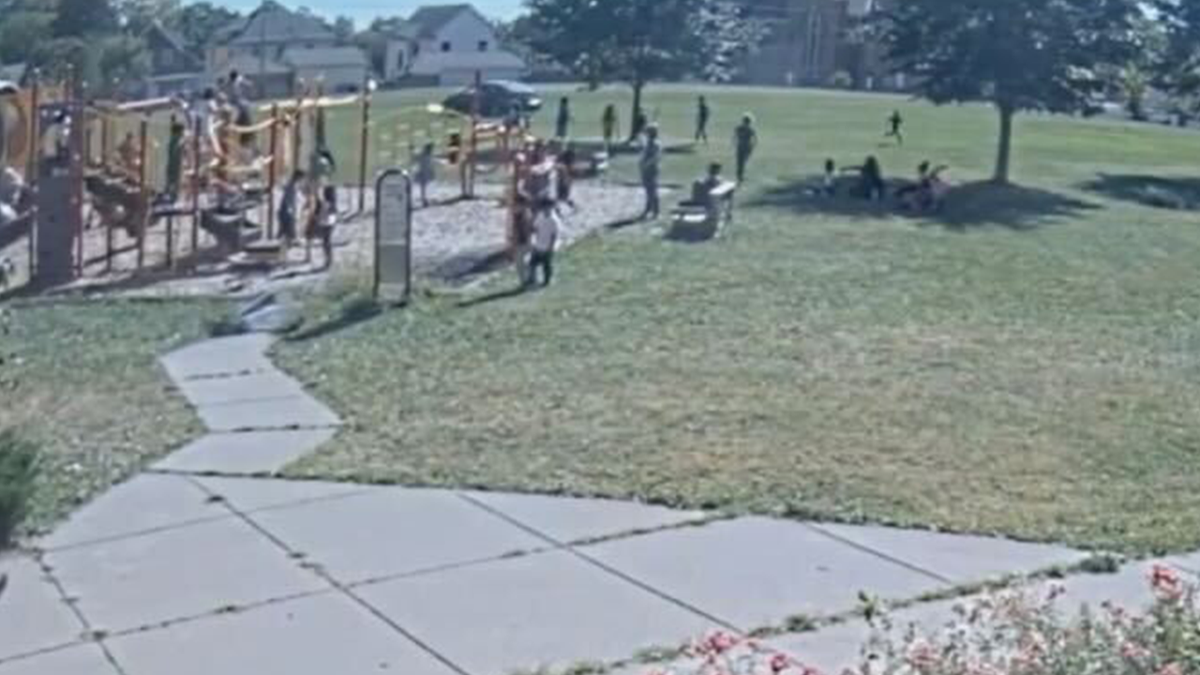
x=393, y=236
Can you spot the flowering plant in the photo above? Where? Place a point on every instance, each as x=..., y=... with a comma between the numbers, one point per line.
x=1008, y=633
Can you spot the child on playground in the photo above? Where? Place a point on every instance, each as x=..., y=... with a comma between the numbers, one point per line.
x=545, y=238
x=175, y=148
x=649, y=166
x=326, y=220
x=565, y=177
x=425, y=172
x=289, y=208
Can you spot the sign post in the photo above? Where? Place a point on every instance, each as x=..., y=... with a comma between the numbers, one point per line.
x=393, y=237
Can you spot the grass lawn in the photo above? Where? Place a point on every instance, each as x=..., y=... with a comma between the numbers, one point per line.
x=82, y=381
x=1027, y=364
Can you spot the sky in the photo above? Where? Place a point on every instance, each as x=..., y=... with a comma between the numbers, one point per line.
x=363, y=11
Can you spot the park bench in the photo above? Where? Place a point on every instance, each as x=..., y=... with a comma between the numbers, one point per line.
x=717, y=213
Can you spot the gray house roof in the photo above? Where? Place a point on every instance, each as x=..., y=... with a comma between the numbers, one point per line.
x=428, y=20
x=274, y=23
x=329, y=57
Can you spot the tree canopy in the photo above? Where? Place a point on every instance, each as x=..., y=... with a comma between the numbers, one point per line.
x=1018, y=55
x=636, y=41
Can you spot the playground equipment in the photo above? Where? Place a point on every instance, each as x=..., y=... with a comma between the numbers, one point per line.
x=107, y=175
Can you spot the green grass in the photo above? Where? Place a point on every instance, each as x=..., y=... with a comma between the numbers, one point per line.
x=81, y=383
x=1026, y=364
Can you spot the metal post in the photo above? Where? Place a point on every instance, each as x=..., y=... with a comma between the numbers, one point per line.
x=174, y=197
x=273, y=171
x=143, y=190
x=365, y=134
x=31, y=178
x=196, y=163
x=476, y=105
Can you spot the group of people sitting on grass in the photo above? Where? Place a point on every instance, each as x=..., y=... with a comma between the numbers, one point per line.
x=926, y=194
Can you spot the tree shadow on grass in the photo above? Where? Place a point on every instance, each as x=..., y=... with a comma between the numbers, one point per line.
x=967, y=205
x=1173, y=193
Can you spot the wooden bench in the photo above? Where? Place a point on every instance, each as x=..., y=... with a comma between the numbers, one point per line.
x=717, y=213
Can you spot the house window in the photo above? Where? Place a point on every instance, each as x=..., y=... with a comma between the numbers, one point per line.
x=445, y=46
x=483, y=45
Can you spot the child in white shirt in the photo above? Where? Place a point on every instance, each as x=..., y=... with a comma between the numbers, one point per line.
x=545, y=239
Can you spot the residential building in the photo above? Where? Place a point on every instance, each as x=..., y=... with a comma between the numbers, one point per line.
x=448, y=45
x=173, y=69
x=279, y=50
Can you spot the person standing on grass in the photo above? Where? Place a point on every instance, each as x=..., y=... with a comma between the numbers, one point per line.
x=562, y=127
x=745, y=141
x=895, y=127
x=425, y=172
x=326, y=220
x=703, y=114
x=649, y=165
x=608, y=125
x=545, y=238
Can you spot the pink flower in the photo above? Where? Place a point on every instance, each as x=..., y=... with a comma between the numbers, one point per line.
x=1166, y=583
x=922, y=657
x=1134, y=652
x=1171, y=669
x=780, y=663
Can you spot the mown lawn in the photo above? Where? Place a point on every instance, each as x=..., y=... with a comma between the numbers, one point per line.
x=83, y=383
x=1026, y=364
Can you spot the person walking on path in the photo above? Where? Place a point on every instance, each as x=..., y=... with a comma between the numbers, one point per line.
x=895, y=127
x=562, y=127
x=703, y=114
x=649, y=165
x=745, y=140
x=608, y=125
x=545, y=239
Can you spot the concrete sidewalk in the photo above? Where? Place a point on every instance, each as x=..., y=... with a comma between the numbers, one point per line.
x=195, y=568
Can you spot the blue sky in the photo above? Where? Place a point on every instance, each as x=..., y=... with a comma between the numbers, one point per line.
x=362, y=11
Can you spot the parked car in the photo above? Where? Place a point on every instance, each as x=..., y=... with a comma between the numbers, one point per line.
x=497, y=99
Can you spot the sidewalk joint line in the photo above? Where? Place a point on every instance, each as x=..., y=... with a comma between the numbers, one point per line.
x=600, y=565
x=880, y=554
x=92, y=635
x=346, y=591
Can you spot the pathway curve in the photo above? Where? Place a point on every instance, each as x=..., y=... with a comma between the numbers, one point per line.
x=199, y=567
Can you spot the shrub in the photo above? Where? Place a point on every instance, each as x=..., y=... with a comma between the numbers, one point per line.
x=1008, y=633
x=17, y=470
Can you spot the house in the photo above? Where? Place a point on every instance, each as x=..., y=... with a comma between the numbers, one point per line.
x=814, y=43
x=279, y=50
x=448, y=45
x=173, y=69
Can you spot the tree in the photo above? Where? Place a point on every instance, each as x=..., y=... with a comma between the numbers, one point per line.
x=137, y=16
x=1019, y=55
x=199, y=22
x=343, y=28
x=79, y=18
x=20, y=32
x=633, y=41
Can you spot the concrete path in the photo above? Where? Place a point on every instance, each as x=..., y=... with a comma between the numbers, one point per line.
x=197, y=567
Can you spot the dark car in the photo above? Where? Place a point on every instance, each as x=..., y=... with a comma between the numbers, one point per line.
x=497, y=98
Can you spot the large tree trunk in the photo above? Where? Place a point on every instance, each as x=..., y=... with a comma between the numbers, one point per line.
x=1004, y=153
x=638, y=86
